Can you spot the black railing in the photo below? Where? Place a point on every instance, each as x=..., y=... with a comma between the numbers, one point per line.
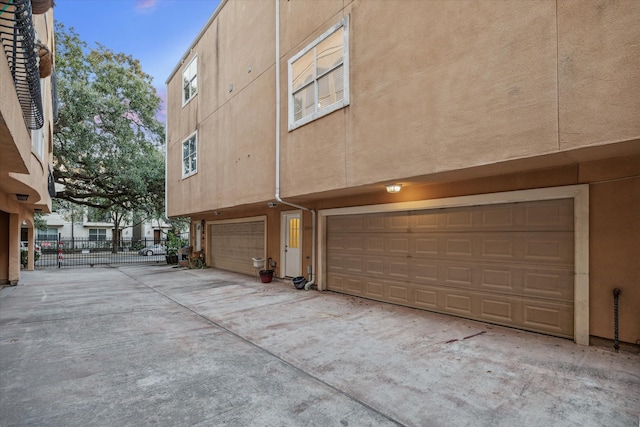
x=17, y=36
x=81, y=252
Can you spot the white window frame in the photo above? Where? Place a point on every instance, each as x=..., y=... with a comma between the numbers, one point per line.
x=51, y=233
x=293, y=124
x=193, y=61
x=194, y=136
x=100, y=234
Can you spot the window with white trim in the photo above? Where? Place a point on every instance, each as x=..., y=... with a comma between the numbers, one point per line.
x=319, y=76
x=97, y=234
x=190, y=156
x=190, y=81
x=48, y=234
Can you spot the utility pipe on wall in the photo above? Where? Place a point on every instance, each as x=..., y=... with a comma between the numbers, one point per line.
x=277, y=195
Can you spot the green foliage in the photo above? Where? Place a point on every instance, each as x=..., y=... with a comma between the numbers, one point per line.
x=24, y=257
x=108, y=144
x=174, y=243
x=39, y=222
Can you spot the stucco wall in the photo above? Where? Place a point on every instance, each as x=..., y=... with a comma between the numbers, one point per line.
x=233, y=113
x=615, y=254
x=431, y=93
x=598, y=62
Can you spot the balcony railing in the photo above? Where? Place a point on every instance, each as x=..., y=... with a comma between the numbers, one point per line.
x=17, y=36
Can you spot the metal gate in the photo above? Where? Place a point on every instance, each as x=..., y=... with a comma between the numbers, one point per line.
x=87, y=252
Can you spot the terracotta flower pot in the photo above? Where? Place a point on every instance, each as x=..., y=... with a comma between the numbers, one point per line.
x=41, y=6
x=46, y=60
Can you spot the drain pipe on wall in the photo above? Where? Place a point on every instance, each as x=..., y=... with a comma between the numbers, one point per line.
x=312, y=277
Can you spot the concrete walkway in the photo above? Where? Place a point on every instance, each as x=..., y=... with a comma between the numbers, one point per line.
x=141, y=345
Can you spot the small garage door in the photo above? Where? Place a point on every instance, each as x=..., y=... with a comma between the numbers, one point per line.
x=510, y=264
x=233, y=244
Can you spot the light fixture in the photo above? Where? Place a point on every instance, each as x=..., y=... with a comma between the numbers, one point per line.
x=38, y=211
x=22, y=197
x=216, y=213
x=393, y=188
x=272, y=204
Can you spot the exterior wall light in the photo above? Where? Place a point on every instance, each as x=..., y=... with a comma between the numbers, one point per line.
x=393, y=188
x=216, y=213
x=22, y=197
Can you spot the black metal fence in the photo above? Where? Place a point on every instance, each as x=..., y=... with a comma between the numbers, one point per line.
x=85, y=252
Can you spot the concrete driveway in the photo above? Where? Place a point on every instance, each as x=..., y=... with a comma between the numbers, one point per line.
x=142, y=345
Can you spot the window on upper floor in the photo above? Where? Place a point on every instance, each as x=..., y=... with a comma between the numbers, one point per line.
x=190, y=81
x=319, y=76
x=190, y=156
x=98, y=215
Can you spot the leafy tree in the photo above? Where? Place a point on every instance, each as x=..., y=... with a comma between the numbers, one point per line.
x=108, y=144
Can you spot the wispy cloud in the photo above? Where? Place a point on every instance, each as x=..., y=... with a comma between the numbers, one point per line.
x=145, y=6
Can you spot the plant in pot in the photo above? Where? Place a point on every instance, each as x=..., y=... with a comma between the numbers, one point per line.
x=41, y=6
x=266, y=276
x=172, y=245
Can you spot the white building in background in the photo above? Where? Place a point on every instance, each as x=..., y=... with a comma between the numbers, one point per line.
x=83, y=230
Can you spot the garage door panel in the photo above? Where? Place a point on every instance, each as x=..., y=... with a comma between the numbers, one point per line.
x=399, y=294
x=510, y=264
x=498, y=310
x=355, y=286
x=556, y=319
x=555, y=284
x=375, y=290
x=425, y=298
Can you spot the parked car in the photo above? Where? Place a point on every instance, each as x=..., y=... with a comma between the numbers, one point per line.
x=157, y=249
x=24, y=246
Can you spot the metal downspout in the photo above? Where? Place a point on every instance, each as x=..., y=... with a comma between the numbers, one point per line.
x=277, y=195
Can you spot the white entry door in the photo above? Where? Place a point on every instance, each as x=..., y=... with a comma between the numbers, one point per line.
x=292, y=243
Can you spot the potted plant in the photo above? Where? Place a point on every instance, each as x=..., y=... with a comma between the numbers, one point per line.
x=266, y=276
x=41, y=6
x=172, y=245
x=46, y=60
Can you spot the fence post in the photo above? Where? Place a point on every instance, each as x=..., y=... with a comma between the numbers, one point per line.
x=59, y=250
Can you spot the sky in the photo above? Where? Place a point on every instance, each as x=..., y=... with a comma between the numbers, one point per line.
x=156, y=32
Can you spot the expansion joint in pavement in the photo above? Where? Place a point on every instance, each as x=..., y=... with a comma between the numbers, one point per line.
x=307, y=374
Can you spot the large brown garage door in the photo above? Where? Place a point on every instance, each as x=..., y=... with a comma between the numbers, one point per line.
x=232, y=245
x=510, y=264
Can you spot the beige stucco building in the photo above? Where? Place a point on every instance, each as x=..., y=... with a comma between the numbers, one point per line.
x=511, y=127
x=26, y=126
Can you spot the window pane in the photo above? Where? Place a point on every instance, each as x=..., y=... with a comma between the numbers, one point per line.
x=194, y=86
x=331, y=88
x=303, y=70
x=185, y=91
x=193, y=68
x=185, y=166
x=329, y=52
x=190, y=80
x=304, y=102
x=294, y=232
x=193, y=163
